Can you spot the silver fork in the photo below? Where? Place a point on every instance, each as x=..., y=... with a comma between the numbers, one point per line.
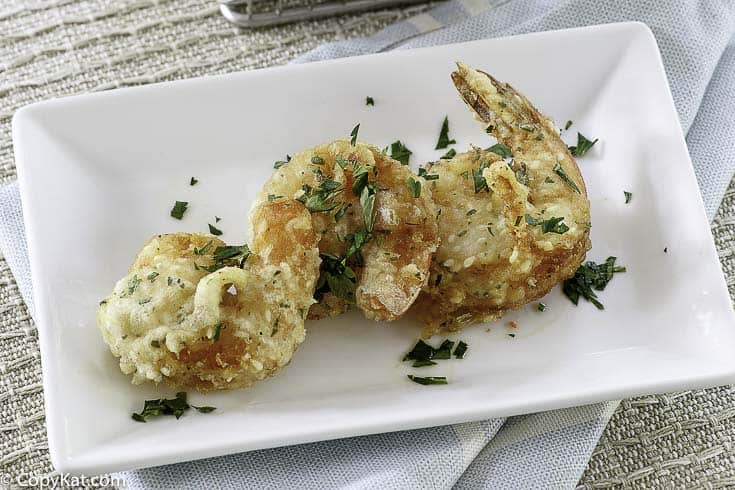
x=256, y=13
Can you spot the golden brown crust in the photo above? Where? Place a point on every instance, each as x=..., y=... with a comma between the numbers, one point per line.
x=396, y=259
x=172, y=320
x=492, y=258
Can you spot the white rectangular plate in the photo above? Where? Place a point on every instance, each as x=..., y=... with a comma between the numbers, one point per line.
x=100, y=172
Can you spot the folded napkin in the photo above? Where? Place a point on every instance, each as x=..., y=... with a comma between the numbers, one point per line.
x=545, y=450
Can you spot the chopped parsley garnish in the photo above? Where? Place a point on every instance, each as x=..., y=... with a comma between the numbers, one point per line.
x=444, y=351
x=273, y=197
x=318, y=200
x=582, y=147
x=549, y=180
x=360, y=174
x=204, y=249
x=317, y=160
x=568, y=125
x=335, y=277
x=460, y=350
x=427, y=176
x=489, y=129
x=561, y=173
x=628, y=196
x=341, y=211
x=591, y=277
x=353, y=135
x=414, y=186
x=429, y=380
x=518, y=220
x=424, y=353
x=152, y=276
x=281, y=163
x=502, y=150
x=369, y=101
x=155, y=344
x=367, y=203
x=444, y=140
x=420, y=352
x=471, y=212
x=551, y=225
x=490, y=230
x=449, y=154
x=541, y=306
x=179, y=209
x=193, y=181
x=423, y=363
x=478, y=180
x=398, y=151
x=174, y=406
x=214, y=230
x=239, y=253
x=217, y=332
x=217, y=219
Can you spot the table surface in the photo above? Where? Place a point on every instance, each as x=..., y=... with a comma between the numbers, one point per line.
x=61, y=47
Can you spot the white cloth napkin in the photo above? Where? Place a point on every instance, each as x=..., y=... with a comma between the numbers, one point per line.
x=545, y=450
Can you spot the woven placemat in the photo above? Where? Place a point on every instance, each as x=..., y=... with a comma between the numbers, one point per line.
x=62, y=47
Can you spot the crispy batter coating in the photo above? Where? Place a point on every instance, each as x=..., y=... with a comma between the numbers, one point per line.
x=171, y=320
x=502, y=241
x=393, y=265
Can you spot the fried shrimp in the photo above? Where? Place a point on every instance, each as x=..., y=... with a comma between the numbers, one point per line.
x=514, y=219
x=199, y=314
x=377, y=231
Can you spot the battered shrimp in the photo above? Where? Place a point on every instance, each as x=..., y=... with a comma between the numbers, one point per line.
x=510, y=228
x=377, y=230
x=198, y=314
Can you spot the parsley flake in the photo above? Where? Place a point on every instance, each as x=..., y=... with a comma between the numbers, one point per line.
x=367, y=203
x=414, y=186
x=583, y=146
x=628, y=196
x=174, y=406
x=427, y=176
x=561, y=173
x=429, y=380
x=591, y=277
x=444, y=140
x=369, y=101
x=478, y=179
x=501, y=149
x=179, y=209
x=398, y=151
x=281, y=163
x=204, y=249
x=568, y=125
x=551, y=225
x=214, y=230
x=217, y=332
x=449, y=154
x=460, y=350
x=353, y=135
x=193, y=181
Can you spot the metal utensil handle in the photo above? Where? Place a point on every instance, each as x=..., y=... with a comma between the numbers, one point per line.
x=281, y=15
